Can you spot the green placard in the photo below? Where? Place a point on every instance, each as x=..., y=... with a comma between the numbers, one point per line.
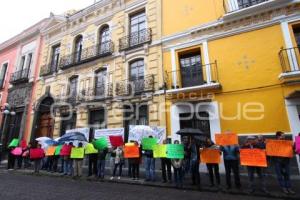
x=90, y=149
x=160, y=151
x=101, y=143
x=175, y=151
x=57, y=150
x=149, y=143
x=14, y=143
x=77, y=153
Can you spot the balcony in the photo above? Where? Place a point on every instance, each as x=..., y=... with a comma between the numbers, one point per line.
x=235, y=5
x=135, y=87
x=20, y=76
x=290, y=62
x=99, y=93
x=135, y=39
x=196, y=77
x=48, y=70
x=86, y=55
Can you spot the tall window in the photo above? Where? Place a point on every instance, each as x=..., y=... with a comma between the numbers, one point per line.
x=104, y=40
x=78, y=48
x=2, y=74
x=55, y=58
x=73, y=88
x=28, y=60
x=100, y=83
x=68, y=124
x=137, y=76
x=22, y=63
x=297, y=35
x=248, y=3
x=137, y=28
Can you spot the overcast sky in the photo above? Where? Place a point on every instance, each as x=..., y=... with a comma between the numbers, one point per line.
x=17, y=15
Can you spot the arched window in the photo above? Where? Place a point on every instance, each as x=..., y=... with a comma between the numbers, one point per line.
x=78, y=48
x=136, y=74
x=104, y=40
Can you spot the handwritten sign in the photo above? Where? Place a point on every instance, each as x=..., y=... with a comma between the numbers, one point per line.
x=14, y=143
x=36, y=153
x=50, y=151
x=280, y=148
x=90, y=149
x=17, y=151
x=253, y=157
x=226, y=139
x=297, y=144
x=175, y=151
x=148, y=143
x=160, y=151
x=77, y=153
x=116, y=140
x=101, y=143
x=131, y=151
x=57, y=150
x=210, y=156
x=66, y=150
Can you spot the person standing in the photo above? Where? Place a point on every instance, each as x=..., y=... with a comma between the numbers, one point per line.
x=150, y=165
x=37, y=161
x=166, y=168
x=119, y=162
x=282, y=169
x=68, y=162
x=178, y=170
x=78, y=164
x=231, y=161
x=253, y=143
x=195, y=158
x=101, y=162
x=135, y=164
x=213, y=168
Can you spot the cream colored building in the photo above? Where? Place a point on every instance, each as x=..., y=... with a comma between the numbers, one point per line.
x=99, y=61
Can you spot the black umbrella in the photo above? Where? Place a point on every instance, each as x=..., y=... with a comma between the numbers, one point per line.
x=195, y=133
x=72, y=136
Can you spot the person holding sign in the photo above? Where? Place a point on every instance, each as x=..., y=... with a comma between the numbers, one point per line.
x=195, y=157
x=231, y=162
x=166, y=168
x=77, y=154
x=37, y=154
x=282, y=168
x=134, y=161
x=118, y=161
x=101, y=162
x=213, y=168
x=150, y=161
x=178, y=170
x=252, y=143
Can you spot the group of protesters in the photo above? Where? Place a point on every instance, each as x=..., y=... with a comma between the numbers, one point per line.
x=190, y=163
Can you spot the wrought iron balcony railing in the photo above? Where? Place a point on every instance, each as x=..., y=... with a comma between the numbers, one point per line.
x=87, y=55
x=135, y=87
x=235, y=5
x=48, y=69
x=20, y=76
x=290, y=59
x=192, y=76
x=135, y=39
x=98, y=93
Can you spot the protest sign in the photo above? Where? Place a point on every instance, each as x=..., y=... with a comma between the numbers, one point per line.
x=66, y=150
x=101, y=143
x=160, y=151
x=280, y=148
x=131, y=151
x=138, y=132
x=297, y=144
x=90, y=149
x=253, y=157
x=36, y=153
x=50, y=151
x=175, y=151
x=99, y=133
x=226, y=139
x=116, y=140
x=14, y=143
x=210, y=156
x=58, y=150
x=77, y=153
x=148, y=143
x=17, y=151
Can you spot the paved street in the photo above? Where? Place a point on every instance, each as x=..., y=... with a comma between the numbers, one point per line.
x=30, y=187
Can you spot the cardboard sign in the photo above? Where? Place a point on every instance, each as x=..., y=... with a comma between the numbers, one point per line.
x=116, y=140
x=101, y=143
x=77, y=153
x=58, y=150
x=36, y=153
x=160, y=151
x=253, y=157
x=175, y=151
x=90, y=149
x=226, y=139
x=131, y=151
x=50, y=151
x=17, y=151
x=297, y=142
x=14, y=143
x=23, y=144
x=148, y=143
x=280, y=148
x=66, y=150
x=210, y=156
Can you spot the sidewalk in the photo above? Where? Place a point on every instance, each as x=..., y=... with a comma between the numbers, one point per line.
x=272, y=184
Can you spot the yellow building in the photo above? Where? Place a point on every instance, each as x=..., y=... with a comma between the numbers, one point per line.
x=232, y=66
x=101, y=65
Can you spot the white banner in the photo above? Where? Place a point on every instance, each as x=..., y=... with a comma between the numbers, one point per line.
x=138, y=132
x=85, y=131
x=108, y=132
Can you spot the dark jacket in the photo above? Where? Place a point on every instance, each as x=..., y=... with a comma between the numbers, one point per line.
x=102, y=154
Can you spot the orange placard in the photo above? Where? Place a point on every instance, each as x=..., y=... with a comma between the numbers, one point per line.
x=50, y=151
x=253, y=157
x=280, y=148
x=131, y=152
x=210, y=156
x=226, y=139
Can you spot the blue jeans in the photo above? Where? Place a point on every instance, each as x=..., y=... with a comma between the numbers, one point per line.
x=101, y=168
x=68, y=167
x=150, y=169
x=283, y=174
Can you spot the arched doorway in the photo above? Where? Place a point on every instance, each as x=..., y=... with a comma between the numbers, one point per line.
x=44, y=119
